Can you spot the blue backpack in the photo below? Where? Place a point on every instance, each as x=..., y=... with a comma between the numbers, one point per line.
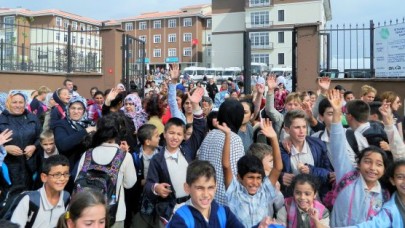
x=185, y=213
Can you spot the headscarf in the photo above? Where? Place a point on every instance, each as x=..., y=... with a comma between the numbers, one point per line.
x=139, y=116
x=3, y=98
x=48, y=98
x=121, y=86
x=84, y=122
x=12, y=94
x=57, y=99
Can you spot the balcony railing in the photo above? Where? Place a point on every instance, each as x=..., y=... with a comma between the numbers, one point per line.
x=268, y=46
x=258, y=3
x=261, y=24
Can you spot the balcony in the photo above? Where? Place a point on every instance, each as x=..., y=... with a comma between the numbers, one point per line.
x=258, y=24
x=268, y=46
x=258, y=3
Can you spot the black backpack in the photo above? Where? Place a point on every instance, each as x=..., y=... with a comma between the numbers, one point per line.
x=16, y=194
x=101, y=178
x=374, y=135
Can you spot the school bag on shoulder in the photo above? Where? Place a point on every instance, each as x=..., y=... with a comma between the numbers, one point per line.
x=347, y=179
x=16, y=194
x=102, y=178
x=185, y=213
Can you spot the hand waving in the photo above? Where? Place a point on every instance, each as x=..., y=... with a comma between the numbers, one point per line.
x=271, y=82
x=174, y=72
x=5, y=136
x=267, y=129
x=197, y=95
x=324, y=83
x=386, y=112
x=335, y=100
x=112, y=94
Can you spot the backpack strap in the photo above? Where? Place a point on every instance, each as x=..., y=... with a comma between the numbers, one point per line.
x=61, y=111
x=321, y=134
x=346, y=180
x=185, y=213
x=221, y=216
x=66, y=198
x=34, y=204
x=351, y=139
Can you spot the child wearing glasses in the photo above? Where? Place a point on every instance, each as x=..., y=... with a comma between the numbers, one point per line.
x=52, y=198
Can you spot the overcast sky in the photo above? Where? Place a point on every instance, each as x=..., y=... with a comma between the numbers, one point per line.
x=343, y=11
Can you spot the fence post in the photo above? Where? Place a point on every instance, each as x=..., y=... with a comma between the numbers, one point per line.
x=143, y=73
x=372, y=49
x=1, y=53
x=69, y=50
x=247, y=62
x=294, y=60
x=22, y=67
x=123, y=48
x=127, y=63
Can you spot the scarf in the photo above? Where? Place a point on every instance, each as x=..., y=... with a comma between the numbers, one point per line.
x=138, y=116
x=84, y=122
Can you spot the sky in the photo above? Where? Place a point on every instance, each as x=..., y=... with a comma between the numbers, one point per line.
x=343, y=11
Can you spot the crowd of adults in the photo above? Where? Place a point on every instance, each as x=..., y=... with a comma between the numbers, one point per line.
x=311, y=137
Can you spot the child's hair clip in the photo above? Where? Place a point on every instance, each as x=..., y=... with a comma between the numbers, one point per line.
x=67, y=215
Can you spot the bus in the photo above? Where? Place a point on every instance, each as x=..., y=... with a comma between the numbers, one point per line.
x=194, y=73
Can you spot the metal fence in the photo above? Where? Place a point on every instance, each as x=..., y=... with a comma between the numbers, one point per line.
x=49, y=49
x=133, y=64
x=347, y=51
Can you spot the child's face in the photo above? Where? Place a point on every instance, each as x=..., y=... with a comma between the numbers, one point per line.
x=371, y=167
x=94, y=216
x=247, y=114
x=48, y=145
x=327, y=116
x=304, y=196
x=174, y=136
x=251, y=181
x=297, y=130
x=202, y=192
x=292, y=105
x=267, y=164
x=56, y=183
x=189, y=132
x=154, y=141
x=399, y=180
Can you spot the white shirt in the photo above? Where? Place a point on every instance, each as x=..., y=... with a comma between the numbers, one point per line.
x=127, y=177
x=47, y=216
x=177, y=171
x=304, y=157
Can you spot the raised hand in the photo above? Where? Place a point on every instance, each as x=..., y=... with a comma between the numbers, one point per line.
x=112, y=94
x=174, y=72
x=335, y=100
x=267, y=129
x=197, y=95
x=260, y=89
x=271, y=82
x=306, y=106
x=5, y=136
x=386, y=112
x=324, y=84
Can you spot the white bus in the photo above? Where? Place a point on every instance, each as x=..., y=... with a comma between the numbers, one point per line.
x=231, y=72
x=194, y=73
x=259, y=68
x=214, y=72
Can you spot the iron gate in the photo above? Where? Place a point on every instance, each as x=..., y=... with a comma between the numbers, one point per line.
x=133, y=63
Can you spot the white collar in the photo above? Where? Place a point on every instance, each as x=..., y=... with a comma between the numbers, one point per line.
x=304, y=150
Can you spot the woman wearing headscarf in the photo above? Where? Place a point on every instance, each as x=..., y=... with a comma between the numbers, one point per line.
x=70, y=132
x=133, y=109
x=20, y=150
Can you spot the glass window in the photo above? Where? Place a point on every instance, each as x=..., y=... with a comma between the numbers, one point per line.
x=280, y=58
x=172, y=52
x=281, y=15
x=187, y=51
x=74, y=25
x=260, y=58
x=208, y=38
x=259, y=19
x=143, y=38
x=209, y=23
x=157, y=53
x=281, y=37
x=187, y=22
x=82, y=26
x=65, y=38
x=172, y=38
x=142, y=25
x=129, y=26
x=58, y=21
x=259, y=39
x=172, y=23
x=65, y=23
x=57, y=36
x=74, y=39
x=187, y=37
x=157, y=39
x=157, y=24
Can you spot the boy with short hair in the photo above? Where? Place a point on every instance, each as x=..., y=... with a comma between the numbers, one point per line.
x=47, y=141
x=202, y=210
x=251, y=194
x=167, y=169
x=52, y=198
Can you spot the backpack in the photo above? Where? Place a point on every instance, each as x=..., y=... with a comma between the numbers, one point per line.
x=16, y=194
x=347, y=179
x=185, y=213
x=374, y=135
x=102, y=178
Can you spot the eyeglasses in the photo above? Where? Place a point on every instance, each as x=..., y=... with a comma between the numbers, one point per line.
x=59, y=175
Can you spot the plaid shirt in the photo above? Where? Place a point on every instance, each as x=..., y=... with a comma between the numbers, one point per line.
x=211, y=150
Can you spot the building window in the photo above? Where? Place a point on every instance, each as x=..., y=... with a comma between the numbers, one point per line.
x=157, y=24
x=281, y=15
x=142, y=25
x=259, y=2
x=9, y=21
x=209, y=52
x=95, y=43
x=259, y=39
x=143, y=38
x=209, y=23
x=81, y=41
x=280, y=58
x=187, y=51
x=129, y=26
x=65, y=23
x=74, y=39
x=65, y=38
x=172, y=38
x=74, y=25
x=57, y=36
x=89, y=28
x=58, y=21
x=187, y=22
x=172, y=52
x=82, y=27
x=281, y=37
x=259, y=19
x=208, y=38
x=261, y=58
x=172, y=23
x=157, y=39
x=187, y=37
x=89, y=42
x=157, y=53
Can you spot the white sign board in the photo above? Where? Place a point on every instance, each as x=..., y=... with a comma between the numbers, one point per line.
x=389, y=51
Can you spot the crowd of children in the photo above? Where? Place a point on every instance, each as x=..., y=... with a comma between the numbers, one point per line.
x=176, y=158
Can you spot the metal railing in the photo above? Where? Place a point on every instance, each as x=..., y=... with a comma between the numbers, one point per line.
x=49, y=49
x=260, y=24
x=268, y=46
